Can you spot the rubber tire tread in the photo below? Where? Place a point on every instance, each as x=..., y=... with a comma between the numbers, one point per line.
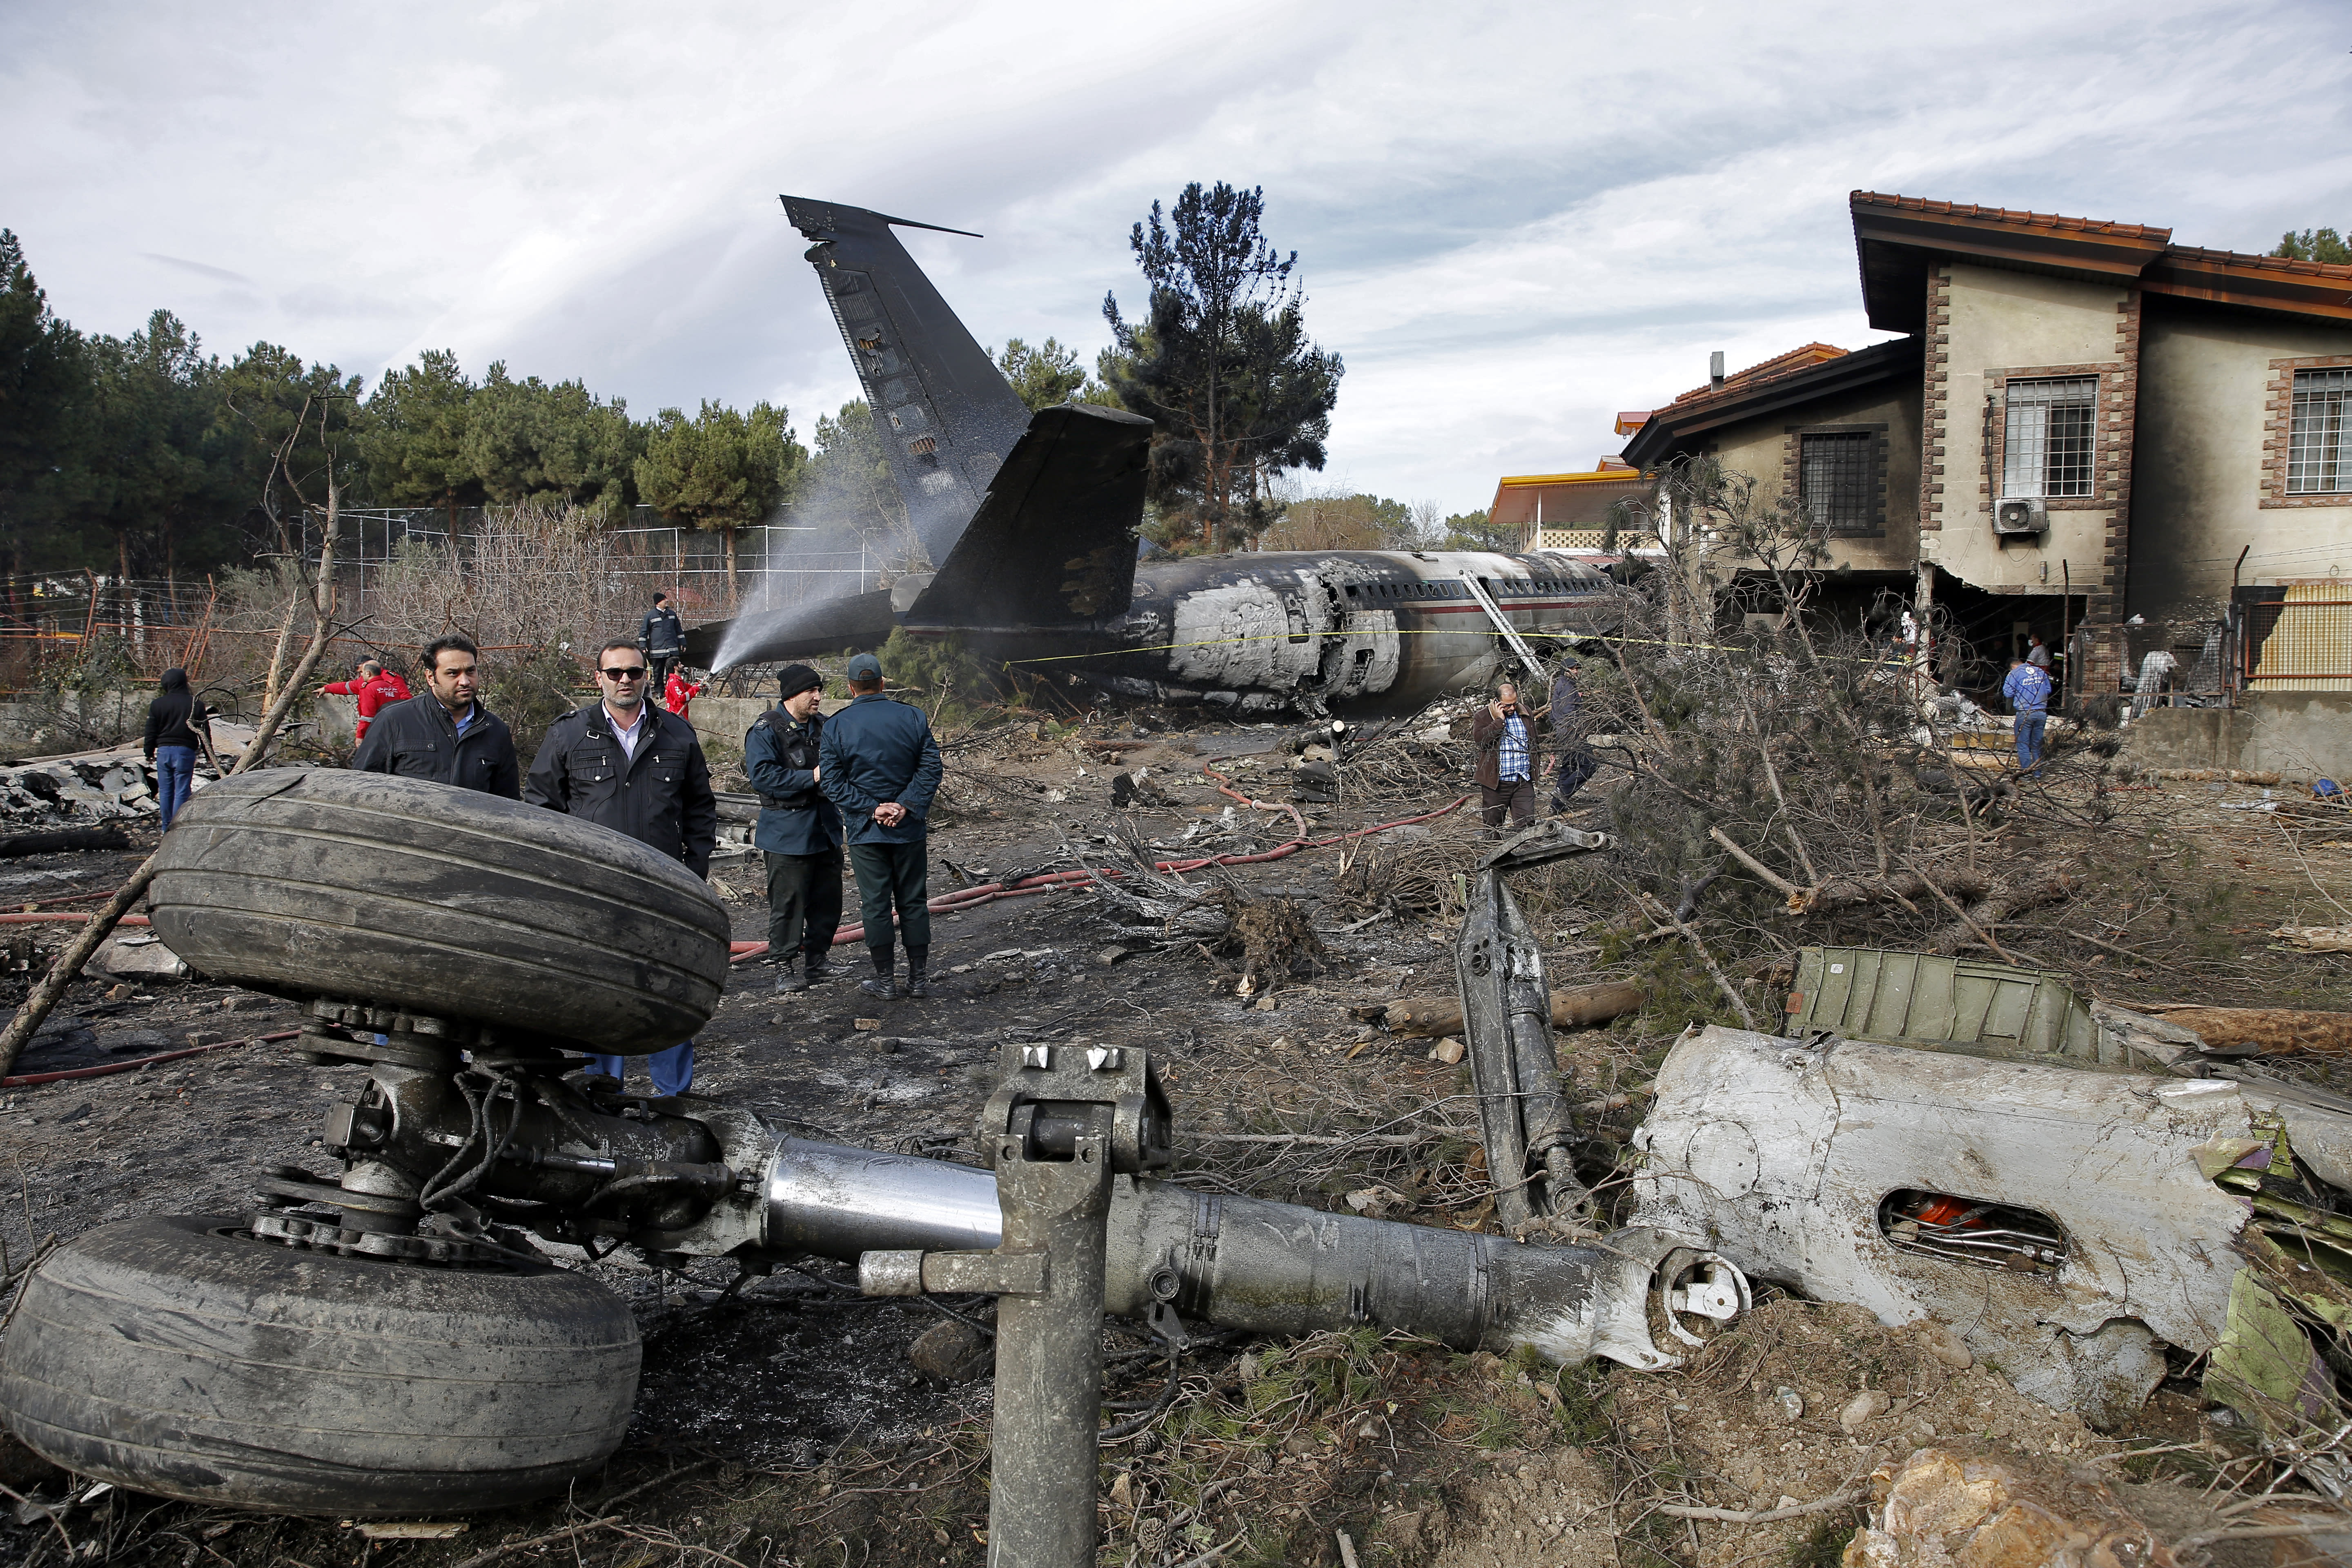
x=443, y=901
x=168, y=1357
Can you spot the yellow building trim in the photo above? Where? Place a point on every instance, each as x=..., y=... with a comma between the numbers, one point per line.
x=1520, y=481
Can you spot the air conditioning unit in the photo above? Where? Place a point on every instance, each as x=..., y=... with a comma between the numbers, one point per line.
x=2021, y=515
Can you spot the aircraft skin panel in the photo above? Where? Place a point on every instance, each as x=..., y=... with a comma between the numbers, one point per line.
x=946, y=415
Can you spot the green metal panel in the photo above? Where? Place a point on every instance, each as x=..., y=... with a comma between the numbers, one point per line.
x=1922, y=999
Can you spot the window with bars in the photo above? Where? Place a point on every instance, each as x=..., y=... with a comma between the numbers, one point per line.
x=2319, y=438
x=1837, y=482
x=2047, y=446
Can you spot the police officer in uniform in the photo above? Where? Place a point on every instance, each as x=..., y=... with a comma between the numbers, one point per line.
x=661, y=637
x=624, y=764
x=800, y=830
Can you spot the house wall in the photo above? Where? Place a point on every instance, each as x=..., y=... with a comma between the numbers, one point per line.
x=2201, y=490
x=1765, y=449
x=2300, y=735
x=1986, y=325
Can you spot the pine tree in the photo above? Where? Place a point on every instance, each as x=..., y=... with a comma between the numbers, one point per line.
x=1221, y=361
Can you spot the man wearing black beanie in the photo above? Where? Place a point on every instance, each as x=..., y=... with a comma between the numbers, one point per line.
x=800, y=830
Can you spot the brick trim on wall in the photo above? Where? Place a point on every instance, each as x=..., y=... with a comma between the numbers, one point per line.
x=2119, y=413
x=1935, y=397
x=2278, y=426
x=1792, y=444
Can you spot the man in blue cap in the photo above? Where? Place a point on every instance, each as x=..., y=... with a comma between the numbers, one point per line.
x=800, y=831
x=879, y=763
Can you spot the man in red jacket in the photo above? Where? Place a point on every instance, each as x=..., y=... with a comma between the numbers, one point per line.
x=375, y=687
x=679, y=692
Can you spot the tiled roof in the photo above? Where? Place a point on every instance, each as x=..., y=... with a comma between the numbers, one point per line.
x=1780, y=364
x=2057, y=221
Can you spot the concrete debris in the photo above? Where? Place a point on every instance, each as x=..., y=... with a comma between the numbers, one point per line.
x=138, y=956
x=68, y=791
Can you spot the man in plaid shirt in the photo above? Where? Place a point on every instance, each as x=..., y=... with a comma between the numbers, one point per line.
x=1505, y=768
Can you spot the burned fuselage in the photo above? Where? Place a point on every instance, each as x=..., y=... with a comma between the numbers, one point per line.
x=1034, y=529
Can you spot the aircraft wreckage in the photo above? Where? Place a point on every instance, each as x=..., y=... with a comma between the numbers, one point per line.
x=1032, y=519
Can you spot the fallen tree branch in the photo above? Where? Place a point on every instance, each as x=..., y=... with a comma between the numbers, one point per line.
x=68, y=965
x=1762, y=1516
x=2271, y=1030
x=1948, y=901
x=1570, y=1009
x=57, y=841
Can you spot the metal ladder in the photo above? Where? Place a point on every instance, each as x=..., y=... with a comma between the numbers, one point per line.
x=1510, y=634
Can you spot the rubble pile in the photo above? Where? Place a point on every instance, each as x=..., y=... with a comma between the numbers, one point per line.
x=69, y=791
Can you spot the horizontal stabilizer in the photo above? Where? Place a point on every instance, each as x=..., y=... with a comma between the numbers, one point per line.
x=1052, y=543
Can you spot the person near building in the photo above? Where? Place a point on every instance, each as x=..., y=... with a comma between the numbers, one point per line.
x=175, y=720
x=375, y=687
x=661, y=638
x=2036, y=653
x=621, y=762
x=1505, y=741
x=799, y=834
x=444, y=733
x=1577, y=763
x=2028, y=690
x=881, y=766
x=679, y=693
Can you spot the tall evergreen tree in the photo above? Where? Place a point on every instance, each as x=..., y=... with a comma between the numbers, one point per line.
x=44, y=382
x=1221, y=361
x=267, y=395
x=721, y=470
x=415, y=442
x=156, y=464
x=2315, y=245
x=525, y=439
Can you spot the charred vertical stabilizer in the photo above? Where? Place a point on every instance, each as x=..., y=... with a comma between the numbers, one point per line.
x=947, y=417
x=1053, y=541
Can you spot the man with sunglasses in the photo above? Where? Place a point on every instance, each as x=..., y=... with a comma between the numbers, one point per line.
x=623, y=763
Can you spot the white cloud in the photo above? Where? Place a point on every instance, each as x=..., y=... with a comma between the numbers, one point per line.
x=1513, y=219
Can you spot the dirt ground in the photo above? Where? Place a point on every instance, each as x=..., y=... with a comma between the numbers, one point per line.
x=788, y=1427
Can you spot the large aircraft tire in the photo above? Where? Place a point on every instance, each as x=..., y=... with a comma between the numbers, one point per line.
x=445, y=902
x=178, y=1356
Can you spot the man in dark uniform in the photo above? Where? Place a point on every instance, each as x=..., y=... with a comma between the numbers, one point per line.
x=799, y=832
x=661, y=638
x=444, y=733
x=879, y=763
x=626, y=764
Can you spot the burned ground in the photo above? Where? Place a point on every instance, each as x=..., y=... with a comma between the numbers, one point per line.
x=786, y=1424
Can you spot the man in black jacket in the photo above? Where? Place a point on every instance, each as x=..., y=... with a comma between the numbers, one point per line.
x=444, y=733
x=626, y=764
x=661, y=638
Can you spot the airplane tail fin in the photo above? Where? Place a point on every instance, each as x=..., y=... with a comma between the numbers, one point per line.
x=1052, y=543
x=948, y=417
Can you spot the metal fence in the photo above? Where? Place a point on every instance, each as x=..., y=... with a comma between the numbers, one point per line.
x=2297, y=636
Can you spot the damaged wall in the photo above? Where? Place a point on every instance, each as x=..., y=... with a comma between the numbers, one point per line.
x=2299, y=735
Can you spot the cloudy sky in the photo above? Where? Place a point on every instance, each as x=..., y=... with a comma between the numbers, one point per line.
x=1512, y=219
